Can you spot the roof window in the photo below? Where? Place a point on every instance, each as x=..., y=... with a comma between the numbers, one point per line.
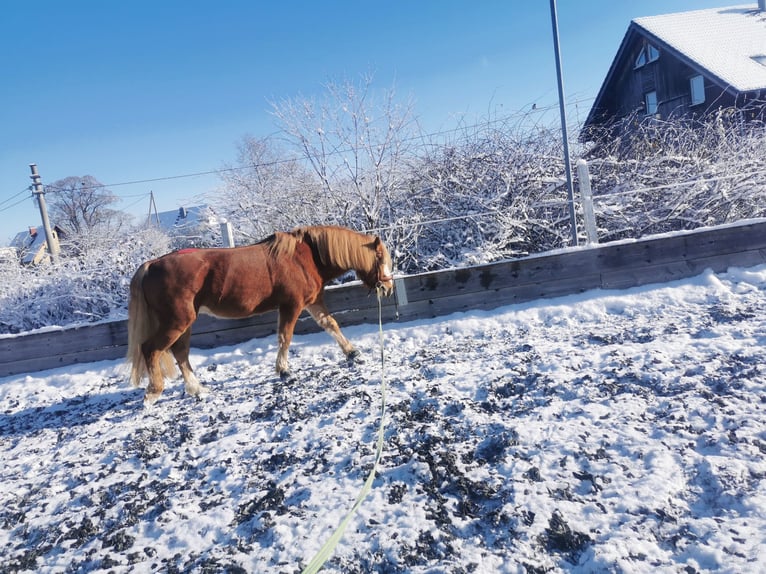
x=648, y=54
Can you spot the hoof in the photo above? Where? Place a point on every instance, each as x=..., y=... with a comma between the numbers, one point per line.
x=287, y=377
x=150, y=399
x=355, y=357
x=199, y=392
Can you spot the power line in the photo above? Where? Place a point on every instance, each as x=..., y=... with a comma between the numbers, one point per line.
x=637, y=190
x=136, y=202
x=563, y=202
x=25, y=190
x=7, y=207
x=459, y=129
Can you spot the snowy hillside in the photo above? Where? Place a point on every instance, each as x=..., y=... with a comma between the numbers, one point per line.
x=604, y=432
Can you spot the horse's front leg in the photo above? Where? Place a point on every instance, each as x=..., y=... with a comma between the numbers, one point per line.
x=288, y=316
x=323, y=318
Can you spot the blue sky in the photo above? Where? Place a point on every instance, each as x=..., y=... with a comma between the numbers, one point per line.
x=154, y=90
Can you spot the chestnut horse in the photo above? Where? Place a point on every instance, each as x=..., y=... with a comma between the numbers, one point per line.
x=286, y=272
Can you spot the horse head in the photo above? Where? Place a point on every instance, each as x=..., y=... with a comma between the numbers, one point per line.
x=384, y=277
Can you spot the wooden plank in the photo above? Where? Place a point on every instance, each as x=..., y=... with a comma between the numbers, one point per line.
x=209, y=324
x=207, y=332
x=705, y=242
x=349, y=296
x=489, y=299
x=231, y=333
x=64, y=341
x=30, y=365
x=527, y=271
x=625, y=278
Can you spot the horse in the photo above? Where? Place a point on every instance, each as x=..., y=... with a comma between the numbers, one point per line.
x=287, y=271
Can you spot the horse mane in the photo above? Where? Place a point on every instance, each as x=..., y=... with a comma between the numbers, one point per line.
x=335, y=246
x=280, y=244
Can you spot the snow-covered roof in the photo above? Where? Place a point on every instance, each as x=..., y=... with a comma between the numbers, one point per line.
x=30, y=243
x=730, y=42
x=181, y=217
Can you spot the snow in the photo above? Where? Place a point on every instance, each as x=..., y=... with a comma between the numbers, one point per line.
x=611, y=431
x=725, y=41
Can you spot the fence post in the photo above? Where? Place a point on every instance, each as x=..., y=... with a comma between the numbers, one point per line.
x=587, y=201
x=227, y=236
x=401, y=292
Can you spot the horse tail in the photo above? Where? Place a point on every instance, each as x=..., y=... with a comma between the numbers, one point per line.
x=142, y=324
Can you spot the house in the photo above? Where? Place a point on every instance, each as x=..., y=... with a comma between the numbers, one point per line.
x=187, y=226
x=31, y=245
x=686, y=64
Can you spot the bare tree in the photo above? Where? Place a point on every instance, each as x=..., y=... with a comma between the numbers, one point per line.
x=82, y=207
x=356, y=140
x=267, y=191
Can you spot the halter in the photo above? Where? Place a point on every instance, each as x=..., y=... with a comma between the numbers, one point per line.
x=382, y=278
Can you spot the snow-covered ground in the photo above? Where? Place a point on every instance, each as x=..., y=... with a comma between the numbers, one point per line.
x=603, y=432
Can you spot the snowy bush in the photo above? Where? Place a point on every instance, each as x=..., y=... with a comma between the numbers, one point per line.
x=679, y=175
x=91, y=286
x=491, y=194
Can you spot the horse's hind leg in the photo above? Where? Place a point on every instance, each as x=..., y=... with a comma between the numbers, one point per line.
x=323, y=318
x=153, y=358
x=288, y=316
x=180, y=351
x=159, y=363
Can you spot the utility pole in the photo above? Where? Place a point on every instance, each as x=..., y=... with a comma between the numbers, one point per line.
x=152, y=205
x=564, y=132
x=39, y=192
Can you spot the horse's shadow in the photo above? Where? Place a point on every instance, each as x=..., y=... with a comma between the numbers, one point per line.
x=76, y=411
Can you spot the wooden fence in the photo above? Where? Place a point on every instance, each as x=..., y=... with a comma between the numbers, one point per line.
x=610, y=266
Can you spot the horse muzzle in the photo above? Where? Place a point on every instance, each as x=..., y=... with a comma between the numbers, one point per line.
x=385, y=286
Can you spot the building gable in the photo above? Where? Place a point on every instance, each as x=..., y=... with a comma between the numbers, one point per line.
x=685, y=64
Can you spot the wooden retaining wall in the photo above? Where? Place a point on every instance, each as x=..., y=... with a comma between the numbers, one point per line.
x=610, y=266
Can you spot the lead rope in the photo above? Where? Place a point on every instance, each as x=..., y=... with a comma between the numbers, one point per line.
x=324, y=553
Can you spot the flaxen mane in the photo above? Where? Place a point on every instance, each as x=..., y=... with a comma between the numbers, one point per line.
x=335, y=246
x=339, y=247
x=282, y=244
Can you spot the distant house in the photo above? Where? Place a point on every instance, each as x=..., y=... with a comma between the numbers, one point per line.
x=31, y=245
x=187, y=226
x=685, y=65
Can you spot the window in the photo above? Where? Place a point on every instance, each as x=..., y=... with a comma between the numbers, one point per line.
x=697, y=86
x=760, y=59
x=652, y=53
x=648, y=54
x=650, y=103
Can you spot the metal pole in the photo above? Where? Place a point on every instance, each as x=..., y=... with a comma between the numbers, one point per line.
x=563, y=113
x=53, y=246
